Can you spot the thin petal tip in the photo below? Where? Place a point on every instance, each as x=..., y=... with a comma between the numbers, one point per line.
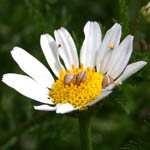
x=35, y=107
x=44, y=108
x=117, y=24
x=4, y=78
x=92, y=22
x=143, y=63
x=44, y=34
x=16, y=48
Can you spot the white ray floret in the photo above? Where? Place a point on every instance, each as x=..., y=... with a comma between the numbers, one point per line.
x=27, y=87
x=51, y=54
x=91, y=44
x=131, y=69
x=32, y=67
x=112, y=37
x=71, y=46
x=120, y=57
x=67, y=48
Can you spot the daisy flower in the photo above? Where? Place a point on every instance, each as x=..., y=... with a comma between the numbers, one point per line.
x=80, y=82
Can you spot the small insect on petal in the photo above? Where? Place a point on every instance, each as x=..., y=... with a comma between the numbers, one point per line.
x=111, y=46
x=59, y=45
x=69, y=78
x=81, y=77
x=117, y=83
x=107, y=80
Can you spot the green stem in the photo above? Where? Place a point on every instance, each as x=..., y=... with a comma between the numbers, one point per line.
x=85, y=132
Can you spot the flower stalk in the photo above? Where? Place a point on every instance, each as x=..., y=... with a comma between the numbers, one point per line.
x=85, y=132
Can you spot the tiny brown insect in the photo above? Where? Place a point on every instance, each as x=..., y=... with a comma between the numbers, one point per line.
x=59, y=45
x=107, y=80
x=69, y=78
x=81, y=77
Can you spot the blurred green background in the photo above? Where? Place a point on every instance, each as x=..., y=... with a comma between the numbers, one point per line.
x=123, y=121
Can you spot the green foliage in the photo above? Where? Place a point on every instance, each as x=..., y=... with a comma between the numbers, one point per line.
x=140, y=144
x=136, y=145
x=119, y=123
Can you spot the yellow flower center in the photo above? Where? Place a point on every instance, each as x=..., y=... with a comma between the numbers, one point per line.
x=77, y=94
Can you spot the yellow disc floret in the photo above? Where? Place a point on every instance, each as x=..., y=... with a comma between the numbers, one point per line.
x=77, y=94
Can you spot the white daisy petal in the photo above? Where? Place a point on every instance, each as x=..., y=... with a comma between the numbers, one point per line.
x=131, y=69
x=67, y=49
x=45, y=108
x=103, y=95
x=65, y=108
x=91, y=44
x=27, y=87
x=50, y=51
x=32, y=67
x=71, y=46
x=62, y=51
x=120, y=57
x=112, y=37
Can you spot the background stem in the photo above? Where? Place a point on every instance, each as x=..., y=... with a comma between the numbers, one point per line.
x=85, y=132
